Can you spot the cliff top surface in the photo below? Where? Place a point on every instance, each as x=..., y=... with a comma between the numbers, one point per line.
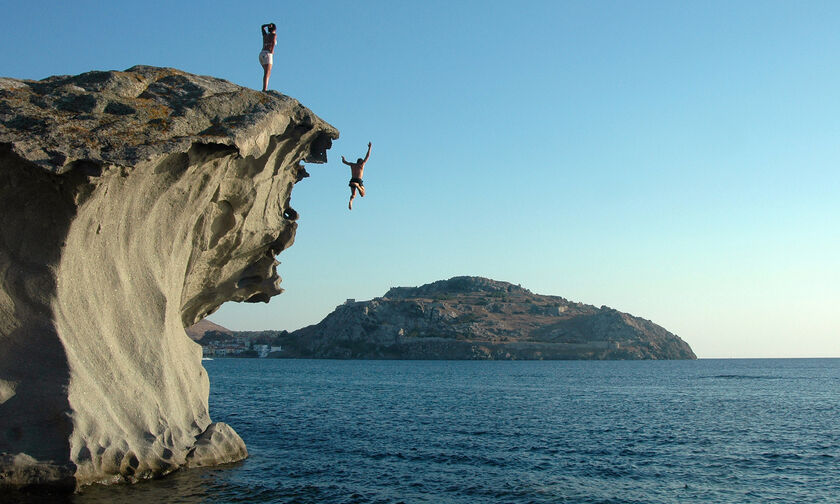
x=121, y=118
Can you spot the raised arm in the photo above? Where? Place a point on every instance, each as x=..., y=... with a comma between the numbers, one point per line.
x=368, y=153
x=263, y=27
x=345, y=161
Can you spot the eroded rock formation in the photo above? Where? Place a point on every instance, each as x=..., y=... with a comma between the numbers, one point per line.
x=132, y=204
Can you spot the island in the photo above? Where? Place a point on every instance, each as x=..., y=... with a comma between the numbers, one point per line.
x=464, y=317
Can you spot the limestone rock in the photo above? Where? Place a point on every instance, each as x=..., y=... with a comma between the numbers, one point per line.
x=133, y=204
x=217, y=445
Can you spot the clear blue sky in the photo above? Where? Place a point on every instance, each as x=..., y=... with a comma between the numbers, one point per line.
x=674, y=160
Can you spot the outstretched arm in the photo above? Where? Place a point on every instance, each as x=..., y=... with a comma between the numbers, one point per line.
x=368, y=153
x=345, y=161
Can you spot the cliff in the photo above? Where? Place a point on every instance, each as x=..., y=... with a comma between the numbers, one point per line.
x=479, y=318
x=133, y=204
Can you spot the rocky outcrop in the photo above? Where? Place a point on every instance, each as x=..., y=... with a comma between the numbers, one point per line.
x=479, y=318
x=133, y=204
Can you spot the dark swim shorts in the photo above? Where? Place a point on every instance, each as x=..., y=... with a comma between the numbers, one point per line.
x=356, y=180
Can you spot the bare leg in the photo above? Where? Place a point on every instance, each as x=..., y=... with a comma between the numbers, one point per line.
x=266, y=75
x=360, y=187
x=352, y=195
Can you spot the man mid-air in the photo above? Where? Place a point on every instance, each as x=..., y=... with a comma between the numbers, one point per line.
x=356, y=171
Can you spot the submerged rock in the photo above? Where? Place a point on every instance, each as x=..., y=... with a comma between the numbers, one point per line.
x=133, y=204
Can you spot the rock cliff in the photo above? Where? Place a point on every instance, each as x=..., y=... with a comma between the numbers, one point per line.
x=133, y=204
x=479, y=318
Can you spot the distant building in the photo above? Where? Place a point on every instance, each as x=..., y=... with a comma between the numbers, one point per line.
x=238, y=347
x=348, y=302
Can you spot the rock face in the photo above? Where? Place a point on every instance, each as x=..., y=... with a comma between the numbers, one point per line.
x=133, y=204
x=478, y=318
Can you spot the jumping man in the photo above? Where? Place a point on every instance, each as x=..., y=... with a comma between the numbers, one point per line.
x=267, y=53
x=356, y=171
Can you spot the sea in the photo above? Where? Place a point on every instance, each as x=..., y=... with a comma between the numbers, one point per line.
x=704, y=431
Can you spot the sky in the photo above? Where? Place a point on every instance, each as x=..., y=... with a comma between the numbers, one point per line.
x=674, y=160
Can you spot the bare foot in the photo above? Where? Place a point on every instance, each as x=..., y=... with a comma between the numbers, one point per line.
x=350, y=205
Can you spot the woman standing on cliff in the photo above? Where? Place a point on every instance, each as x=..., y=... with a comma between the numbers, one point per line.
x=267, y=54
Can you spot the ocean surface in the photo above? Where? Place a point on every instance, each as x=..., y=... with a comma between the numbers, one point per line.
x=710, y=431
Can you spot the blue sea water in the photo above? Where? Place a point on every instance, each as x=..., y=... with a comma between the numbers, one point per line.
x=710, y=431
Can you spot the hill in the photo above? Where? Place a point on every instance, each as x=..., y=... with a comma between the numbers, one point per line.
x=197, y=331
x=480, y=318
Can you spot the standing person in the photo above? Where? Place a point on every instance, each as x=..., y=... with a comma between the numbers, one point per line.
x=356, y=171
x=267, y=54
